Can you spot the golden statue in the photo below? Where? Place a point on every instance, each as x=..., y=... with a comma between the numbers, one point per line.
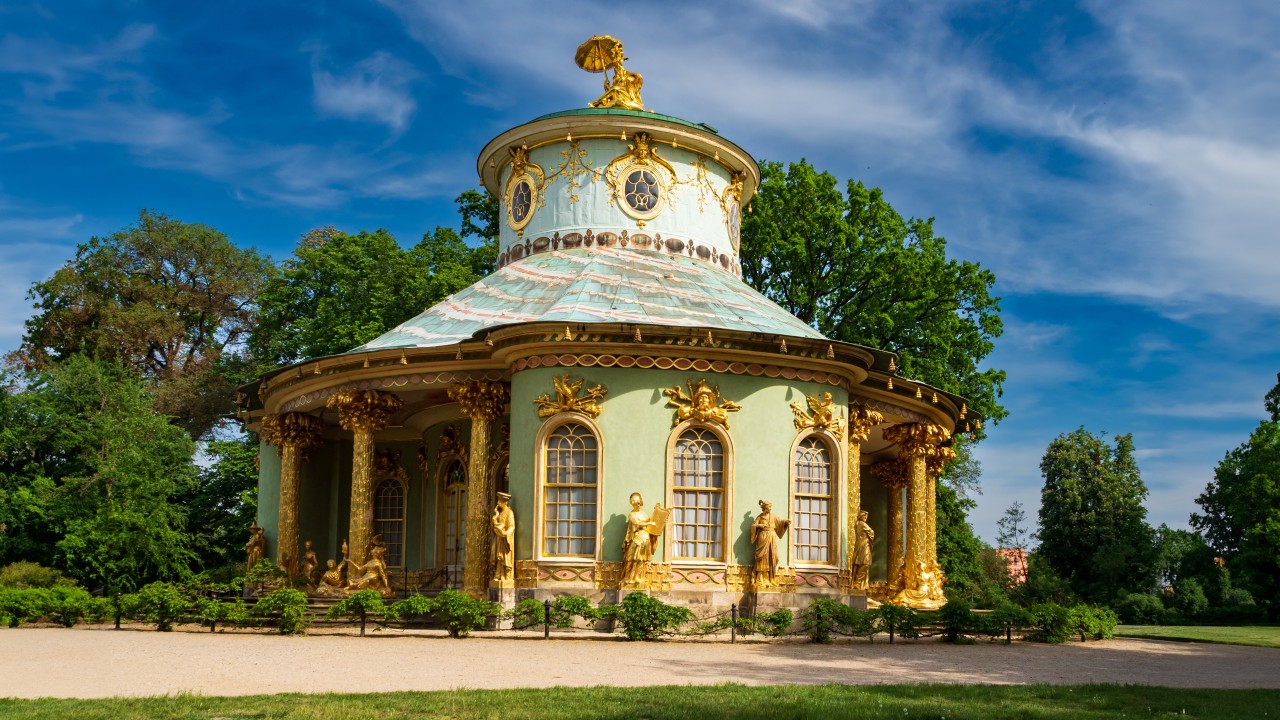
x=765, y=532
x=861, y=564
x=504, y=542
x=601, y=54
x=309, y=563
x=922, y=587
x=641, y=541
x=331, y=584
x=567, y=399
x=373, y=573
x=256, y=547
x=821, y=416
x=702, y=403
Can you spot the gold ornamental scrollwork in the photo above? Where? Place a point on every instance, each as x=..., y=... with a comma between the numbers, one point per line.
x=451, y=445
x=480, y=400
x=567, y=399
x=386, y=464
x=823, y=414
x=862, y=420
x=918, y=439
x=603, y=54
x=731, y=204
x=703, y=404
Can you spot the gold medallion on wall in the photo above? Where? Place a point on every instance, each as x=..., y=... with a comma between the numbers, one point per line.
x=731, y=203
x=642, y=182
x=522, y=193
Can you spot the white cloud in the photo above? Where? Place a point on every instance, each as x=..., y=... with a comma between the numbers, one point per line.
x=31, y=248
x=376, y=89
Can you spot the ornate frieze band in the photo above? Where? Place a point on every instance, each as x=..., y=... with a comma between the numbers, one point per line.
x=640, y=242
x=387, y=383
x=680, y=363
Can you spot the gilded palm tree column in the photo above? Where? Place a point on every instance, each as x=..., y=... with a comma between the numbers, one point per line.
x=295, y=435
x=918, y=447
x=861, y=420
x=483, y=402
x=893, y=475
x=363, y=412
x=937, y=461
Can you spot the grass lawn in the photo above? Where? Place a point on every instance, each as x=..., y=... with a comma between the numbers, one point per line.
x=1260, y=635
x=739, y=702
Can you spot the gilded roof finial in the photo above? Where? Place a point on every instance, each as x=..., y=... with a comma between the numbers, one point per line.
x=601, y=54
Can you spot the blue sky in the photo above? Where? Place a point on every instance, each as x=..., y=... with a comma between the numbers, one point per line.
x=1117, y=165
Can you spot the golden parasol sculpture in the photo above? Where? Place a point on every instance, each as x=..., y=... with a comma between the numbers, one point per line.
x=601, y=54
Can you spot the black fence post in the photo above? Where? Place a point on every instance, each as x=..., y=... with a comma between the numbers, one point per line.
x=733, y=628
x=118, y=611
x=1008, y=634
x=213, y=621
x=546, y=619
x=890, y=629
x=362, y=619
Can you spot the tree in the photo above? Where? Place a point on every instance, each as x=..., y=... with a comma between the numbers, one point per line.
x=339, y=291
x=88, y=475
x=1241, y=518
x=1093, y=529
x=167, y=299
x=480, y=219
x=851, y=266
x=1013, y=528
x=224, y=501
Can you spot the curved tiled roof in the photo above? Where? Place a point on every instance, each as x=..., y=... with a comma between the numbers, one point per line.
x=597, y=285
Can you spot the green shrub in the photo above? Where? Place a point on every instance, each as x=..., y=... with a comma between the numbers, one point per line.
x=161, y=603
x=899, y=619
x=266, y=576
x=100, y=609
x=527, y=613
x=958, y=622
x=359, y=606
x=67, y=604
x=774, y=624
x=19, y=605
x=1189, y=597
x=24, y=574
x=566, y=607
x=462, y=613
x=822, y=618
x=1007, y=618
x=1141, y=609
x=413, y=606
x=1089, y=621
x=288, y=606
x=214, y=610
x=1051, y=623
x=648, y=618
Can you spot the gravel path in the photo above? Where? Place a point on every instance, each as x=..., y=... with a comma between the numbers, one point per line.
x=96, y=662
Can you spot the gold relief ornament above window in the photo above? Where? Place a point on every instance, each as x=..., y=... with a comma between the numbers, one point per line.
x=703, y=404
x=523, y=192
x=823, y=414
x=567, y=399
x=641, y=180
x=603, y=54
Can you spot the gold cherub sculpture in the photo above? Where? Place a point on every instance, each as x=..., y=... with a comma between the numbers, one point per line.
x=601, y=54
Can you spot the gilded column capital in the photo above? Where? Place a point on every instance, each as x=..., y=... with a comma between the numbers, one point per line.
x=364, y=410
x=480, y=400
x=300, y=431
x=861, y=421
x=917, y=439
x=895, y=474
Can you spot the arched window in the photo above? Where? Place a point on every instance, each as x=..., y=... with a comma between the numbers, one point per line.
x=698, y=495
x=571, y=483
x=455, y=513
x=388, y=519
x=811, y=535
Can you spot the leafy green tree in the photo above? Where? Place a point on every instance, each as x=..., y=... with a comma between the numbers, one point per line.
x=166, y=298
x=224, y=501
x=339, y=290
x=1241, y=518
x=88, y=474
x=851, y=266
x=480, y=220
x=1093, y=526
